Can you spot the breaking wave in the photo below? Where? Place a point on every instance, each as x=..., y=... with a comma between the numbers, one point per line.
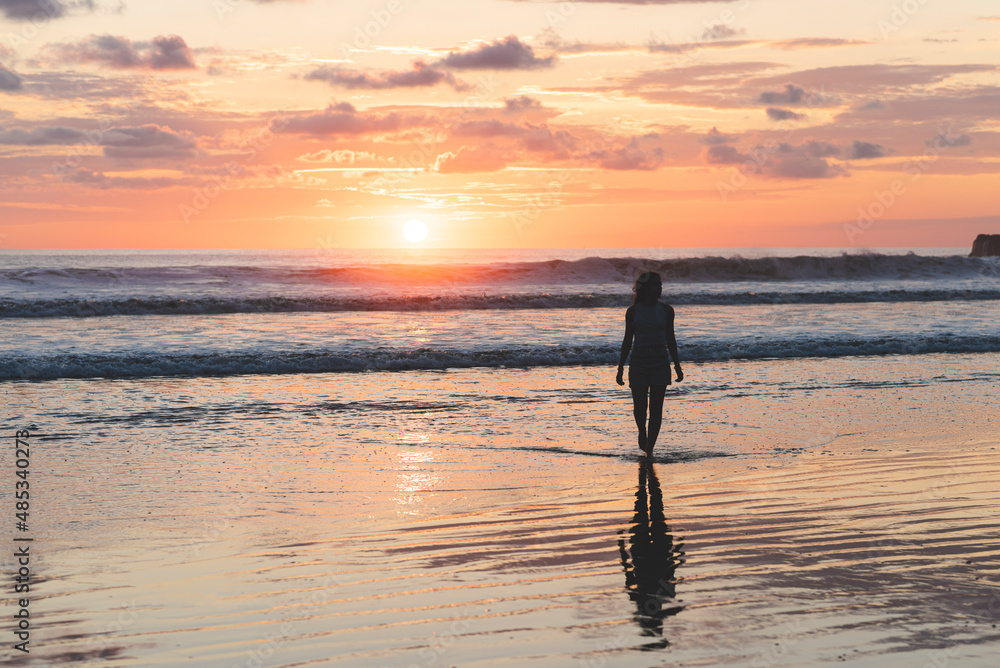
x=229, y=363
x=139, y=306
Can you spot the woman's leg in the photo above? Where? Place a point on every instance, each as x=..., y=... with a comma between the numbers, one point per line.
x=656, y=393
x=639, y=400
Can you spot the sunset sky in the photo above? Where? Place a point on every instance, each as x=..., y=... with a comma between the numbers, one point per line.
x=499, y=123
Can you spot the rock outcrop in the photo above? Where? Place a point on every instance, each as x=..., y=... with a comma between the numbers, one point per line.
x=986, y=245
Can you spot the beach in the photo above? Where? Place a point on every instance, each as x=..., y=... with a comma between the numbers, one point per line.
x=318, y=322
x=294, y=520
x=273, y=459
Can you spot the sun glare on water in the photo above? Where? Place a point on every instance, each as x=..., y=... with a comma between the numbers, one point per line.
x=415, y=231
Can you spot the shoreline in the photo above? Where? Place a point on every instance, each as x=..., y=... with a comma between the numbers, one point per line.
x=478, y=517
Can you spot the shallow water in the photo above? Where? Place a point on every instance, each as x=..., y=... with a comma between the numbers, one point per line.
x=812, y=511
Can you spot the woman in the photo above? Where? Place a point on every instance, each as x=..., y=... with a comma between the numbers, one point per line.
x=650, y=326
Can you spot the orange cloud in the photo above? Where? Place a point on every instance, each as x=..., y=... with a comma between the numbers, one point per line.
x=469, y=159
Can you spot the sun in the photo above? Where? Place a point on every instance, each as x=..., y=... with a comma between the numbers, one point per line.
x=415, y=231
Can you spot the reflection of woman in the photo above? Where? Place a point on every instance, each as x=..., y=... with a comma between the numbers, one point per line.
x=649, y=333
x=651, y=581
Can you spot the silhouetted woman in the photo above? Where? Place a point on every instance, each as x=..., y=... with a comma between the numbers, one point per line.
x=649, y=333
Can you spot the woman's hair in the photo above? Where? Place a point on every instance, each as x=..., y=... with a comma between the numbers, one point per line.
x=648, y=287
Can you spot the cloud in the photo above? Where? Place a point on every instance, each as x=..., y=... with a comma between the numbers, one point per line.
x=791, y=95
x=782, y=160
x=341, y=156
x=948, y=139
x=629, y=157
x=43, y=136
x=84, y=176
x=870, y=79
x=796, y=96
x=169, y=52
x=713, y=85
x=509, y=53
x=217, y=61
x=720, y=31
x=117, y=92
x=344, y=119
x=708, y=75
x=9, y=79
x=807, y=161
x=725, y=154
x=146, y=141
x=914, y=91
x=655, y=46
x=551, y=40
x=534, y=138
x=142, y=141
x=800, y=166
x=421, y=75
x=469, y=159
x=40, y=10
x=944, y=105
x=863, y=150
x=777, y=114
x=521, y=104
x=815, y=43
x=817, y=149
x=873, y=104
x=713, y=136
x=165, y=52
x=105, y=182
x=487, y=128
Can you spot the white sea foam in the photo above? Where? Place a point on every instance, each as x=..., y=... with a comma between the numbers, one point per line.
x=241, y=362
x=152, y=305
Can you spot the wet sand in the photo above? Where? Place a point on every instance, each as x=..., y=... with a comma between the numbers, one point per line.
x=493, y=518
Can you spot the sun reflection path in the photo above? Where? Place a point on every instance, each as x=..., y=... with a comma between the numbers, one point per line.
x=413, y=480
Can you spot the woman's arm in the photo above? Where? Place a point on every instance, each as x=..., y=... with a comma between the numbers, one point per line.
x=626, y=343
x=672, y=342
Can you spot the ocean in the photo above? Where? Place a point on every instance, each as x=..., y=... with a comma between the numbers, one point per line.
x=421, y=458
x=101, y=314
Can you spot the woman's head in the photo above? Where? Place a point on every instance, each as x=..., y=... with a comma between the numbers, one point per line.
x=648, y=288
